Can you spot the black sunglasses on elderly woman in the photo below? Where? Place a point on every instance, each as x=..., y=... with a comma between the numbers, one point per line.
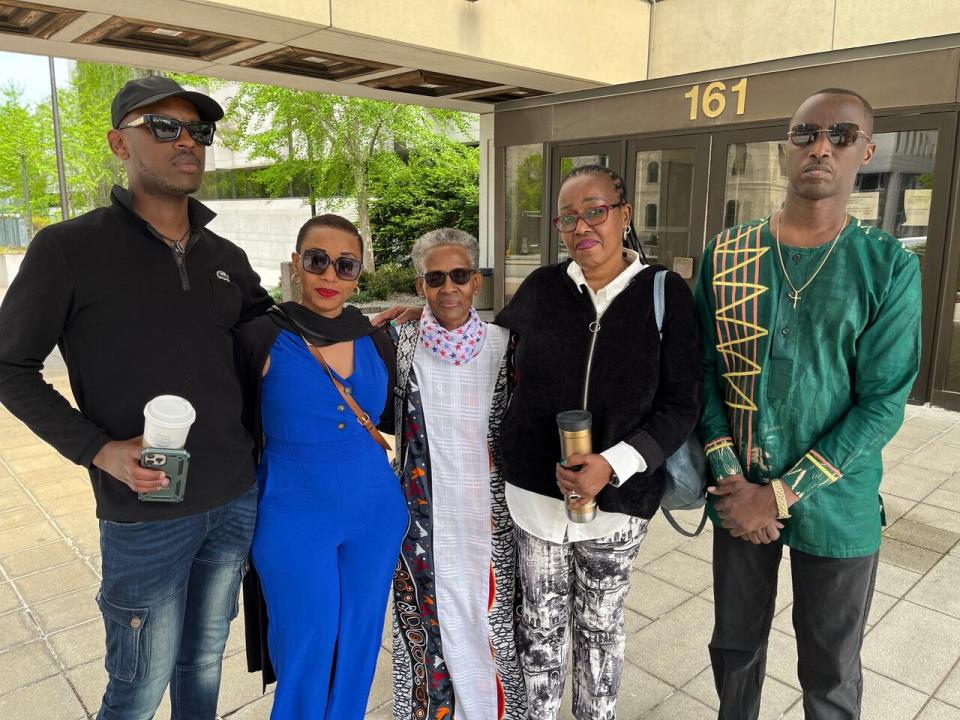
x=437, y=278
x=317, y=261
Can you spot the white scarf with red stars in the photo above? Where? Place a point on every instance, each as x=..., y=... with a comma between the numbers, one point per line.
x=457, y=346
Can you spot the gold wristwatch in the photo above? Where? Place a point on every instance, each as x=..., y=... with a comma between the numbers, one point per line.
x=783, y=511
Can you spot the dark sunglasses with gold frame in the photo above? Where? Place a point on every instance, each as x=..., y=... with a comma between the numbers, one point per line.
x=839, y=134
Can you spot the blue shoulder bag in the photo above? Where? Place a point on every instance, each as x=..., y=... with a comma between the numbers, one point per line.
x=685, y=485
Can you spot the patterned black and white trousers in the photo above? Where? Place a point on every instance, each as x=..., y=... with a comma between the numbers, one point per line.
x=581, y=585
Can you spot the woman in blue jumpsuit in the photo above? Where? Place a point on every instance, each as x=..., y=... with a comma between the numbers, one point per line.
x=331, y=514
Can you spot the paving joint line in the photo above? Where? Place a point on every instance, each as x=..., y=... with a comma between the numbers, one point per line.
x=43, y=635
x=901, y=682
x=49, y=518
x=27, y=549
x=933, y=695
x=939, y=435
x=33, y=573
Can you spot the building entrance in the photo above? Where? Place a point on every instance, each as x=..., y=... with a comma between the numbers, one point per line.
x=686, y=184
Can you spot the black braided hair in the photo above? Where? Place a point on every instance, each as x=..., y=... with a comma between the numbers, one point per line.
x=631, y=240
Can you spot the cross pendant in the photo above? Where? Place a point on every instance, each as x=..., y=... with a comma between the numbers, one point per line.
x=794, y=296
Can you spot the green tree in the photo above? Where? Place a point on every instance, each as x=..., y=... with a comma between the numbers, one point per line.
x=530, y=183
x=439, y=186
x=85, y=120
x=327, y=143
x=25, y=136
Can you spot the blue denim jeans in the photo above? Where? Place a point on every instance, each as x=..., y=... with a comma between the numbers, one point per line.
x=169, y=591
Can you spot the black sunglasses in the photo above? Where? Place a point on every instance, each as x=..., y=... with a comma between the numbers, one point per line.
x=317, y=261
x=591, y=216
x=839, y=134
x=167, y=129
x=437, y=278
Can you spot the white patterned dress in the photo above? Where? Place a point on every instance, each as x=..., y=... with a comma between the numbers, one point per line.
x=455, y=591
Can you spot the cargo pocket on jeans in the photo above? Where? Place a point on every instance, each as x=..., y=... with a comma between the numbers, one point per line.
x=124, y=627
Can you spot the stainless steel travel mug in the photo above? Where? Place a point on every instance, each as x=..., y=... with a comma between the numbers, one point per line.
x=575, y=437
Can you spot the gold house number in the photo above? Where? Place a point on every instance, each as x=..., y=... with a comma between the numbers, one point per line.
x=714, y=99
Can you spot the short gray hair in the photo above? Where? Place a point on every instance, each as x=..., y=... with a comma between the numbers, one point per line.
x=438, y=238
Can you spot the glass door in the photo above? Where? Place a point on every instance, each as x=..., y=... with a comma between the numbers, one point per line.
x=667, y=179
x=524, y=227
x=904, y=191
x=563, y=159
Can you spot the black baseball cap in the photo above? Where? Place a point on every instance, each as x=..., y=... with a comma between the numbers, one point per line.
x=154, y=88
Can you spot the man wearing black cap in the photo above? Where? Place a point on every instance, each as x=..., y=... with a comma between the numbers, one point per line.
x=142, y=300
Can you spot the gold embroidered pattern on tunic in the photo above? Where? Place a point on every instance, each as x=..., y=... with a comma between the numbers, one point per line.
x=737, y=288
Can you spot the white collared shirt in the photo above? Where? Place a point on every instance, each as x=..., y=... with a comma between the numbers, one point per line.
x=546, y=517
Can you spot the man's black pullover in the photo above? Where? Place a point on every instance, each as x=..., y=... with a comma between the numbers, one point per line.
x=133, y=320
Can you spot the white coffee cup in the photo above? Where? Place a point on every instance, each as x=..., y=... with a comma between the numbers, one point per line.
x=167, y=420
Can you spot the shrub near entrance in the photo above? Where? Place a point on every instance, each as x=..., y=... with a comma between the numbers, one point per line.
x=385, y=281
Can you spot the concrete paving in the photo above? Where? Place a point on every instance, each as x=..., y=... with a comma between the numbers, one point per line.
x=51, y=634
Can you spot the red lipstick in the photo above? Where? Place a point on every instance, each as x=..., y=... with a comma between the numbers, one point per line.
x=327, y=292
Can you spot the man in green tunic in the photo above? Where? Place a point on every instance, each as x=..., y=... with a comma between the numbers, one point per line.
x=811, y=326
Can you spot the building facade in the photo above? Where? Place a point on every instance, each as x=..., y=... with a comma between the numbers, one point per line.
x=704, y=151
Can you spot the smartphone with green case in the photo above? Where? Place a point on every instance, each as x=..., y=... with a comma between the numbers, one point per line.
x=173, y=462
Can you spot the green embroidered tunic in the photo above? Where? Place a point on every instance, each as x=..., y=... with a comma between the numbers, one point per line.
x=810, y=393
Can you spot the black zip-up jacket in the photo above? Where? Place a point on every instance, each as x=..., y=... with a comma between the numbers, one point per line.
x=643, y=391
x=133, y=319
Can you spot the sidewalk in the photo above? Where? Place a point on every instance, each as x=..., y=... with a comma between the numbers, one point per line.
x=51, y=635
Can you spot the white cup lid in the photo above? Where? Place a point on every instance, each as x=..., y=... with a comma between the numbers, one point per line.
x=170, y=411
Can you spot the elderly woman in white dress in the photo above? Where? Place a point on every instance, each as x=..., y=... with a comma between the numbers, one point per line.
x=455, y=587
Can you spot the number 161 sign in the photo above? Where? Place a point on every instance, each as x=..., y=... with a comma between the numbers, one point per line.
x=713, y=101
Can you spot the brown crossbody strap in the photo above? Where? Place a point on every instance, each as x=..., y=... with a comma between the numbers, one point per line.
x=362, y=417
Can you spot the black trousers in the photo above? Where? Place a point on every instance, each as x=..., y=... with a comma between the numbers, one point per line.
x=831, y=602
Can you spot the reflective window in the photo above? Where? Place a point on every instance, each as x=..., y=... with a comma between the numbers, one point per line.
x=892, y=192
x=756, y=181
x=664, y=205
x=650, y=216
x=653, y=172
x=522, y=213
x=569, y=163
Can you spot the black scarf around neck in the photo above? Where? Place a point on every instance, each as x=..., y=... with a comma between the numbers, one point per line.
x=350, y=324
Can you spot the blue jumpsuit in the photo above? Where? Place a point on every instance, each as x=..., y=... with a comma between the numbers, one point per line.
x=330, y=523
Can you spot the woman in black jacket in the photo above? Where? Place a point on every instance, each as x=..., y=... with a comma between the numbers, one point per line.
x=587, y=339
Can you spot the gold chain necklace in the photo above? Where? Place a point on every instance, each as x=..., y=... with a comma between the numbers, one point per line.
x=795, y=291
